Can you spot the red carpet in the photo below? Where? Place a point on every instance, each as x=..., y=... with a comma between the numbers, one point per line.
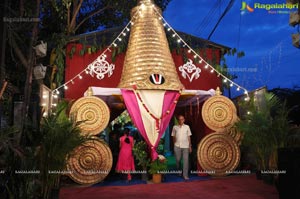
x=231, y=187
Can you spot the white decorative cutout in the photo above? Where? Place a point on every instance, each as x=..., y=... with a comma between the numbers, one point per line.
x=100, y=67
x=189, y=70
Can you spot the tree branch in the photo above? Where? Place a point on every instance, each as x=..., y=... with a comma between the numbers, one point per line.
x=91, y=15
x=73, y=21
x=19, y=53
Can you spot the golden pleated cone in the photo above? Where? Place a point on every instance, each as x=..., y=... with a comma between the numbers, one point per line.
x=148, y=62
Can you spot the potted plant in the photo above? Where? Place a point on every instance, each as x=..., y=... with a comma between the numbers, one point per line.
x=264, y=129
x=141, y=155
x=157, y=168
x=61, y=135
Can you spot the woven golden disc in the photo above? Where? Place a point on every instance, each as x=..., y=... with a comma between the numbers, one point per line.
x=94, y=113
x=235, y=134
x=90, y=162
x=218, y=112
x=218, y=154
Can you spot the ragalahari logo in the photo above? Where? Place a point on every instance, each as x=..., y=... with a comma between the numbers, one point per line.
x=245, y=7
x=271, y=8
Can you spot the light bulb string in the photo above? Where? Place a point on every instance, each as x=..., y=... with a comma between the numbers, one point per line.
x=175, y=34
x=113, y=43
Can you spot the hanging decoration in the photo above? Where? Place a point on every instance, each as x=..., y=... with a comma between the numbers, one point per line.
x=149, y=82
x=100, y=67
x=189, y=70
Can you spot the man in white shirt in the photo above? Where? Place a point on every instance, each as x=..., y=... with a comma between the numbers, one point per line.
x=181, y=134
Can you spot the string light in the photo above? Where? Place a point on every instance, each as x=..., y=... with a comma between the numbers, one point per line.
x=55, y=92
x=169, y=28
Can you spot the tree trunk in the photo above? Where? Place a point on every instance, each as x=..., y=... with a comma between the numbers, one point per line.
x=30, y=63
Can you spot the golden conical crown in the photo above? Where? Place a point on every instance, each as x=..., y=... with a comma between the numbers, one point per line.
x=148, y=62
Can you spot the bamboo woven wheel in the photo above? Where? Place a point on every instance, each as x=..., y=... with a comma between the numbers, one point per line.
x=90, y=162
x=218, y=112
x=93, y=112
x=235, y=134
x=218, y=153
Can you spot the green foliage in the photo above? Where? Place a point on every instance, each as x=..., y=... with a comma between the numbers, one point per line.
x=140, y=153
x=293, y=140
x=265, y=128
x=158, y=166
x=14, y=157
x=61, y=136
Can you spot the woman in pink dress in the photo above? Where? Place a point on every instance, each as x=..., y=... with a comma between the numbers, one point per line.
x=125, y=162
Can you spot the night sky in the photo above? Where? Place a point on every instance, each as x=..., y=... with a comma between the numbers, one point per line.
x=264, y=36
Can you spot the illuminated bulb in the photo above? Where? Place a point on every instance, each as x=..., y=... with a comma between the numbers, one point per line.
x=159, y=18
x=72, y=81
x=164, y=24
x=45, y=96
x=200, y=61
x=248, y=112
x=44, y=104
x=54, y=104
x=212, y=70
x=238, y=89
x=65, y=87
x=127, y=29
x=132, y=23
x=206, y=66
x=195, y=56
x=231, y=84
x=86, y=71
x=218, y=75
x=178, y=40
x=225, y=80
x=80, y=77
x=169, y=29
x=173, y=35
x=45, y=114
x=57, y=92
x=55, y=96
x=124, y=33
x=189, y=51
x=119, y=39
x=246, y=92
x=115, y=45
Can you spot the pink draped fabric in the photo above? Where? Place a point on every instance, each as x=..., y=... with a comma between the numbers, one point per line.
x=135, y=113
